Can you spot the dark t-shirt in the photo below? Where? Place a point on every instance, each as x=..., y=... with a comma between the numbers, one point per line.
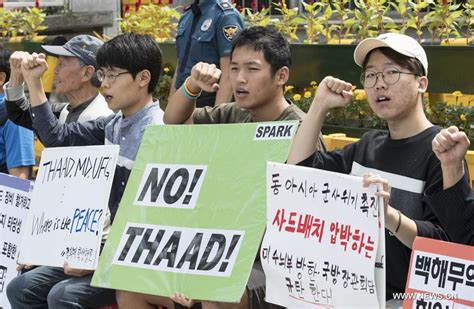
x=411, y=168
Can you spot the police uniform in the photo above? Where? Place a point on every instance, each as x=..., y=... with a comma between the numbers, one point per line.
x=211, y=40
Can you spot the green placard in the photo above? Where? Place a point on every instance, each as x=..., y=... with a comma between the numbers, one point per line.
x=193, y=212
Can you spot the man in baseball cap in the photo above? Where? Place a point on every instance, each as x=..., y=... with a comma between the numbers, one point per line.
x=75, y=77
x=82, y=46
x=394, y=77
x=400, y=43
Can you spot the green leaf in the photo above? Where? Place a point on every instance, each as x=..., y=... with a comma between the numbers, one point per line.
x=298, y=20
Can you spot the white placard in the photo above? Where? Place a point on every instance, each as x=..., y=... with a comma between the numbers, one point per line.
x=441, y=274
x=14, y=204
x=322, y=239
x=446, y=275
x=68, y=207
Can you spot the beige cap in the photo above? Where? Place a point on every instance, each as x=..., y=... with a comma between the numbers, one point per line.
x=400, y=43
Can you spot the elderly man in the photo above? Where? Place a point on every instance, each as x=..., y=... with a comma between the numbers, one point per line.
x=75, y=77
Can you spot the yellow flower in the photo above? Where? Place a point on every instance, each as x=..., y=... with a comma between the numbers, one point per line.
x=297, y=97
x=457, y=93
x=307, y=94
x=313, y=84
x=359, y=95
x=166, y=70
x=288, y=88
x=463, y=117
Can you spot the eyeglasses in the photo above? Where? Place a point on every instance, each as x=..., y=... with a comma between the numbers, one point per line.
x=101, y=75
x=389, y=75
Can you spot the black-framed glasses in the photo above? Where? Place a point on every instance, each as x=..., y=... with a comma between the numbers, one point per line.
x=389, y=75
x=101, y=75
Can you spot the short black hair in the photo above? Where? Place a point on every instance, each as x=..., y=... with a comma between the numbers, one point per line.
x=134, y=53
x=276, y=50
x=411, y=64
x=5, y=61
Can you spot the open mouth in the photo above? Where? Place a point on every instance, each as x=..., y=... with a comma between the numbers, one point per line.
x=382, y=99
x=240, y=93
x=108, y=98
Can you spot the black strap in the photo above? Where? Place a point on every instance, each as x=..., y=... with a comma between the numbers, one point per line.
x=196, y=15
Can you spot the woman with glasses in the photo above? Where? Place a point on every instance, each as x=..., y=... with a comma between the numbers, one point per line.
x=394, y=76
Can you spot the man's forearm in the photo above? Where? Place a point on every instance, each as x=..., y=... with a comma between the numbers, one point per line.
x=401, y=226
x=306, y=140
x=18, y=114
x=179, y=108
x=16, y=94
x=173, y=84
x=16, y=79
x=452, y=174
x=37, y=94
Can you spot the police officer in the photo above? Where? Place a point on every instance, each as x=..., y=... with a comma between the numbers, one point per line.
x=204, y=33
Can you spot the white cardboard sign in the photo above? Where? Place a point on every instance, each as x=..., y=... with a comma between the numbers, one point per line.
x=322, y=239
x=14, y=204
x=69, y=203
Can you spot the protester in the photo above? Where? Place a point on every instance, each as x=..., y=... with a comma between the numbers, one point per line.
x=205, y=32
x=394, y=76
x=75, y=77
x=130, y=66
x=259, y=68
x=16, y=143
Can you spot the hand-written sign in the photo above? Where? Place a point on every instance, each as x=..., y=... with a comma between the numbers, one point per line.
x=81, y=220
x=441, y=275
x=80, y=167
x=14, y=205
x=170, y=185
x=322, y=239
x=68, y=206
x=178, y=249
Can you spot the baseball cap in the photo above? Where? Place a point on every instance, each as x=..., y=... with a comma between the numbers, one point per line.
x=400, y=43
x=82, y=46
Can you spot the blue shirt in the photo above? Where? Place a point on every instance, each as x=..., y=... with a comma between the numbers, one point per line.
x=212, y=37
x=16, y=143
x=115, y=129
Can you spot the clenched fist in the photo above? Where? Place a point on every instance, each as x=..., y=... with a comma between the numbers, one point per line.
x=204, y=76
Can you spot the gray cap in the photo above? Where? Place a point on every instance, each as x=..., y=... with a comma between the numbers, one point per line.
x=82, y=46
